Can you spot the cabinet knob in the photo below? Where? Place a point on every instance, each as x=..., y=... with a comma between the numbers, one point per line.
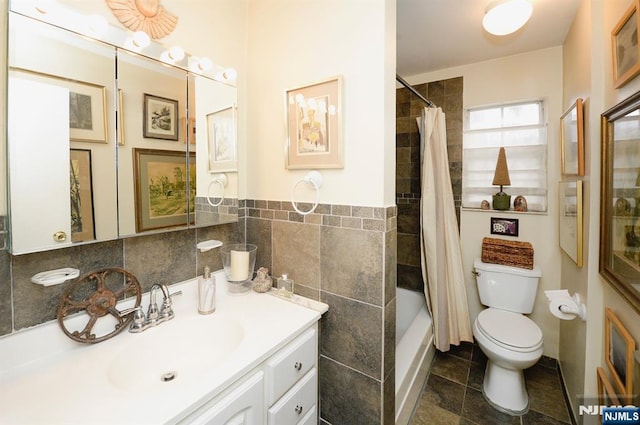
x=298, y=409
x=59, y=236
x=297, y=366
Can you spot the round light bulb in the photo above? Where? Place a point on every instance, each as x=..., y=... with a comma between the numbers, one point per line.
x=230, y=74
x=205, y=64
x=141, y=39
x=176, y=53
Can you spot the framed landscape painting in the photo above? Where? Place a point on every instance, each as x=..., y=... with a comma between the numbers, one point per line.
x=163, y=193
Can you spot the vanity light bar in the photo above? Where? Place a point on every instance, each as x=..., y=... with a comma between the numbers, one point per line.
x=58, y=14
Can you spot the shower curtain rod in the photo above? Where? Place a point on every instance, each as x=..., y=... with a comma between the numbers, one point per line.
x=414, y=91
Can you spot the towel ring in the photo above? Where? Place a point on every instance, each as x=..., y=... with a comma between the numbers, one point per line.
x=313, y=178
x=220, y=179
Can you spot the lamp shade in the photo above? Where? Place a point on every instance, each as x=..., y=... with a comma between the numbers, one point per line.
x=503, y=17
x=501, y=176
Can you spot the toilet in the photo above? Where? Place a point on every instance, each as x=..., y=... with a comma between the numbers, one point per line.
x=511, y=341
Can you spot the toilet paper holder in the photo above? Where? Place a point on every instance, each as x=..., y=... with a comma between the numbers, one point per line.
x=565, y=306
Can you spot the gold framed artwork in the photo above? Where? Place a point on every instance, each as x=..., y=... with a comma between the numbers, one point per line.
x=222, y=141
x=606, y=394
x=620, y=199
x=164, y=188
x=81, y=194
x=572, y=139
x=626, y=50
x=160, y=119
x=570, y=216
x=619, y=346
x=314, y=125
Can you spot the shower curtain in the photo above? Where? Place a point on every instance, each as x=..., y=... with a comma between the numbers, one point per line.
x=441, y=256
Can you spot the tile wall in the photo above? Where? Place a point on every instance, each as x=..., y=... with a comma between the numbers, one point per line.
x=344, y=256
x=158, y=258
x=446, y=94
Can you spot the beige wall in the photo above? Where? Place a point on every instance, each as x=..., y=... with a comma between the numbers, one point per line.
x=316, y=40
x=577, y=83
x=589, y=74
x=527, y=76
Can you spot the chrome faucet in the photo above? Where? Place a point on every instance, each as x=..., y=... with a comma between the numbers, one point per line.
x=154, y=315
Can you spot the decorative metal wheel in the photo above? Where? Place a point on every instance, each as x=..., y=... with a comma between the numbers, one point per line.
x=97, y=294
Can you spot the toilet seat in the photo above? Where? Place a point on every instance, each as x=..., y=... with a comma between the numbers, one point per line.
x=510, y=330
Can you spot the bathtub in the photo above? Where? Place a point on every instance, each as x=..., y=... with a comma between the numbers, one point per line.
x=414, y=350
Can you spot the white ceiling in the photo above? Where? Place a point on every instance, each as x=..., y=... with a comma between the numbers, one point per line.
x=438, y=34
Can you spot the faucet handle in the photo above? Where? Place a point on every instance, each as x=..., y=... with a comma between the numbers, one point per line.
x=138, y=320
x=127, y=311
x=166, y=311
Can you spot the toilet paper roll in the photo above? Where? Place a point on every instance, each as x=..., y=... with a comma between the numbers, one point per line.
x=556, y=306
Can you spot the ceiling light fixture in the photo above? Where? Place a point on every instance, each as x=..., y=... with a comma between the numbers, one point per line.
x=503, y=17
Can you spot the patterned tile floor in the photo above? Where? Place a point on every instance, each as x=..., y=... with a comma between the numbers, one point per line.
x=453, y=393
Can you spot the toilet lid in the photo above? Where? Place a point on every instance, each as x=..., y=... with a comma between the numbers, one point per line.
x=508, y=328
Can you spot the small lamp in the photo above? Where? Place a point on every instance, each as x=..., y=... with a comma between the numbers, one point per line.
x=501, y=201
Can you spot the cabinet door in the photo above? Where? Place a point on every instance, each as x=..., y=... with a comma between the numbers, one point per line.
x=40, y=196
x=242, y=406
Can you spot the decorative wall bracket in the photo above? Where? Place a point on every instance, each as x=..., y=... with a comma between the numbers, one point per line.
x=144, y=15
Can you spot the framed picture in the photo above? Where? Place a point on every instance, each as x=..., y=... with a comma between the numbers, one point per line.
x=222, y=141
x=504, y=226
x=606, y=394
x=81, y=194
x=87, y=106
x=314, y=125
x=572, y=140
x=570, y=211
x=626, y=51
x=620, y=346
x=161, y=188
x=620, y=199
x=160, y=119
x=87, y=112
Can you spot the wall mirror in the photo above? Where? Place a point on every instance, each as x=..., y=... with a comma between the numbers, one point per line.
x=110, y=157
x=152, y=161
x=61, y=138
x=620, y=199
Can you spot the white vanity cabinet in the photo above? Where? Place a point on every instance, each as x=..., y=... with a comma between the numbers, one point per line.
x=253, y=362
x=243, y=405
x=292, y=380
x=283, y=390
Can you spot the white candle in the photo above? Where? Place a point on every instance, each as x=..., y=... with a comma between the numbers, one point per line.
x=239, y=265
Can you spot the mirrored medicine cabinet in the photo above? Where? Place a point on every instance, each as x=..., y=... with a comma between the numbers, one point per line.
x=104, y=143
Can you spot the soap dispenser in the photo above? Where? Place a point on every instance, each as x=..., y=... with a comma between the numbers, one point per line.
x=206, y=292
x=285, y=286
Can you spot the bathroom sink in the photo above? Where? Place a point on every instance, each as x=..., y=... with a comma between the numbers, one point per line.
x=174, y=352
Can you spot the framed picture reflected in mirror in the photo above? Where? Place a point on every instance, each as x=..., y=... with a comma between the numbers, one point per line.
x=572, y=139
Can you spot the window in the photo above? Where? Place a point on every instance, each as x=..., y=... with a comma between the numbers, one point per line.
x=522, y=130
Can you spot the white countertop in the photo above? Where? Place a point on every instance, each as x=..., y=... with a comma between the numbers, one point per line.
x=47, y=378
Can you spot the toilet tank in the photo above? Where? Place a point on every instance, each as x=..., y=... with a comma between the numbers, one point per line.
x=505, y=287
